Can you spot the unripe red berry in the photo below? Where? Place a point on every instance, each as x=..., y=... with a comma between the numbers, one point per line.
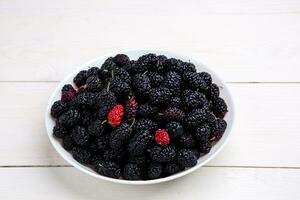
x=162, y=137
x=115, y=116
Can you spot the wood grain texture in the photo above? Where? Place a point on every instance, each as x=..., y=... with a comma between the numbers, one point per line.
x=206, y=183
x=266, y=127
x=243, y=41
x=154, y=7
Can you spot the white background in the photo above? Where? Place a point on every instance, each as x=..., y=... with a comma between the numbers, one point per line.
x=254, y=45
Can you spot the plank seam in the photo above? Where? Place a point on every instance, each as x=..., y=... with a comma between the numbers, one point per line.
x=228, y=82
x=206, y=166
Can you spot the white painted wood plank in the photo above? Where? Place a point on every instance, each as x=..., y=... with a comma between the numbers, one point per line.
x=266, y=126
x=152, y=7
x=266, y=132
x=22, y=118
x=241, y=40
x=206, y=183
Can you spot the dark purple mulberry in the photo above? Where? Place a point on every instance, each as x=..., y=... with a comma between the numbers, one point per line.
x=141, y=84
x=147, y=110
x=159, y=96
x=145, y=124
x=187, y=140
x=93, y=71
x=131, y=109
x=203, y=132
x=206, y=77
x=81, y=155
x=155, y=78
x=119, y=87
x=68, y=93
x=121, y=59
x=154, y=170
x=109, y=169
x=80, y=78
x=186, y=158
x=192, y=99
x=59, y=131
x=69, y=118
x=163, y=153
x=80, y=135
x=119, y=136
x=219, y=107
x=105, y=101
x=58, y=108
x=94, y=84
x=218, y=128
x=132, y=172
x=195, y=118
x=174, y=129
x=172, y=168
x=174, y=114
x=139, y=143
x=213, y=92
x=107, y=67
x=193, y=80
x=172, y=81
x=175, y=102
x=148, y=61
x=96, y=128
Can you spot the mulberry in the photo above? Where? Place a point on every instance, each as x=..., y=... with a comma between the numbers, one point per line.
x=141, y=84
x=80, y=135
x=58, y=108
x=80, y=78
x=218, y=128
x=93, y=84
x=131, y=109
x=172, y=81
x=186, y=158
x=174, y=114
x=132, y=172
x=159, y=96
x=145, y=124
x=219, y=107
x=195, y=118
x=192, y=99
x=194, y=81
x=147, y=110
x=163, y=153
x=156, y=79
x=110, y=169
x=69, y=118
x=119, y=136
x=174, y=129
x=121, y=59
x=154, y=170
x=139, y=143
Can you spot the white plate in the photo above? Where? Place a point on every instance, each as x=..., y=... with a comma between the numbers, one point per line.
x=134, y=54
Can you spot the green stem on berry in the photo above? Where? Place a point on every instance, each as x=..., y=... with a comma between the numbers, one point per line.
x=112, y=74
x=145, y=72
x=133, y=122
x=213, y=138
x=108, y=86
x=104, y=122
x=160, y=114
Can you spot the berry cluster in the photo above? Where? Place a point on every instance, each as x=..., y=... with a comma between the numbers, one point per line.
x=140, y=120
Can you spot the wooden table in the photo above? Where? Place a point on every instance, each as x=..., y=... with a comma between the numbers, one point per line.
x=254, y=45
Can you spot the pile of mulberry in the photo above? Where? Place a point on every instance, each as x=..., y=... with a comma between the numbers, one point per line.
x=139, y=119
